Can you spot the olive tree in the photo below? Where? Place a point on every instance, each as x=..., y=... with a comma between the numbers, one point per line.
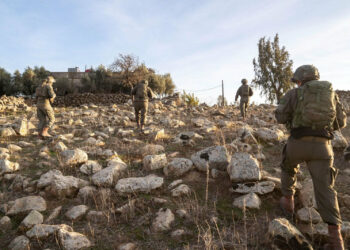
x=273, y=69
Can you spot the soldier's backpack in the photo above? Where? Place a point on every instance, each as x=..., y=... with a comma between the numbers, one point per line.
x=41, y=91
x=245, y=90
x=316, y=106
x=141, y=92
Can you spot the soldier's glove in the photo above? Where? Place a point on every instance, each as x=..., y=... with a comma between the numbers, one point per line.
x=347, y=154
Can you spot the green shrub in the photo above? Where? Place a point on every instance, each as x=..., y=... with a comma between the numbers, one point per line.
x=190, y=99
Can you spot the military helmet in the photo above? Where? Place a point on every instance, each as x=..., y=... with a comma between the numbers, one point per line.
x=244, y=81
x=306, y=73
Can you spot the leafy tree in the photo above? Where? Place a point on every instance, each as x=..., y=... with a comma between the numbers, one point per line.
x=273, y=69
x=169, y=84
x=5, y=82
x=17, y=82
x=126, y=65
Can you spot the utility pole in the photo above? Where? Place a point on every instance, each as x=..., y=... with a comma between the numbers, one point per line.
x=223, y=95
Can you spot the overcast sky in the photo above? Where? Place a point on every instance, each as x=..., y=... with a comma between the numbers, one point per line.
x=198, y=42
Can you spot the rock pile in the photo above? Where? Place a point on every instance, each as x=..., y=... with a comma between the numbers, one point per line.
x=74, y=100
x=11, y=103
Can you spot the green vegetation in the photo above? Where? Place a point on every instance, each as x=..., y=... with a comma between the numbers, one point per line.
x=122, y=75
x=190, y=99
x=273, y=69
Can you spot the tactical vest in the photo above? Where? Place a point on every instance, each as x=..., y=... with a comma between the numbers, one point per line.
x=245, y=90
x=141, y=92
x=316, y=106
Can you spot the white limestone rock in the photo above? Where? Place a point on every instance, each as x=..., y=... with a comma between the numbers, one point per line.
x=26, y=204
x=181, y=190
x=7, y=166
x=72, y=240
x=269, y=135
x=164, y=219
x=76, y=212
x=33, y=218
x=216, y=156
x=308, y=215
x=261, y=188
x=109, y=175
x=178, y=167
x=283, y=234
x=139, y=184
x=244, y=167
x=153, y=162
x=90, y=167
x=250, y=200
x=73, y=157
x=42, y=231
x=20, y=243
x=339, y=140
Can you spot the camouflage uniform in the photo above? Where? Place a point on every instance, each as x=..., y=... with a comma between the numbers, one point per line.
x=245, y=92
x=141, y=102
x=45, y=95
x=314, y=147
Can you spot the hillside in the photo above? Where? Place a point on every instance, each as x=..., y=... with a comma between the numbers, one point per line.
x=198, y=178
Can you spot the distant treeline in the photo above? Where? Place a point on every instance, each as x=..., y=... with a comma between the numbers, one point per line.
x=119, y=77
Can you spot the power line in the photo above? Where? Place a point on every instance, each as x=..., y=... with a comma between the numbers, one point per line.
x=202, y=90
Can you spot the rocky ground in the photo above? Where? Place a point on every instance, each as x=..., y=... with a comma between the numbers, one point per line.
x=198, y=178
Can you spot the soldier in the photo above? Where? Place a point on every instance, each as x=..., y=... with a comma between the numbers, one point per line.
x=244, y=92
x=311, y=112
x=140, y=94
x=45, y=96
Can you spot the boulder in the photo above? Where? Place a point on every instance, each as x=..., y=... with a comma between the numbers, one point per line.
x=19, y=243
x=269, y=135
x=216, y=156
x=308, y=215
x=60, y=147
x=164, y=219
x=76, y=212
x=244, y=167
x=339, y=141
x=5, y=224
x=283, y=235
x=73, y=157
x=250, y=200
x=42, y=231
x=7, y=132
x=7, y=167
x=127, y=246
x=139, y=184
x=60, y=186
x=180, y=190
x=33, y=218
x=109, y=175
x=263, y=187
x=72, y=240
x=153, y=162
x=21, y=127
x=90, y=167
x=26, y=204
x=178, y=167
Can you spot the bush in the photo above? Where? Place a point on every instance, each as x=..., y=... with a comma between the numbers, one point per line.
x=190, y=99
x=63, y=87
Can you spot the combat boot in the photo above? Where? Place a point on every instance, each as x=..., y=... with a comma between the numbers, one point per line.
x=45, y=133
x=142, y=127
x=287, y=205
x=334, y=238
